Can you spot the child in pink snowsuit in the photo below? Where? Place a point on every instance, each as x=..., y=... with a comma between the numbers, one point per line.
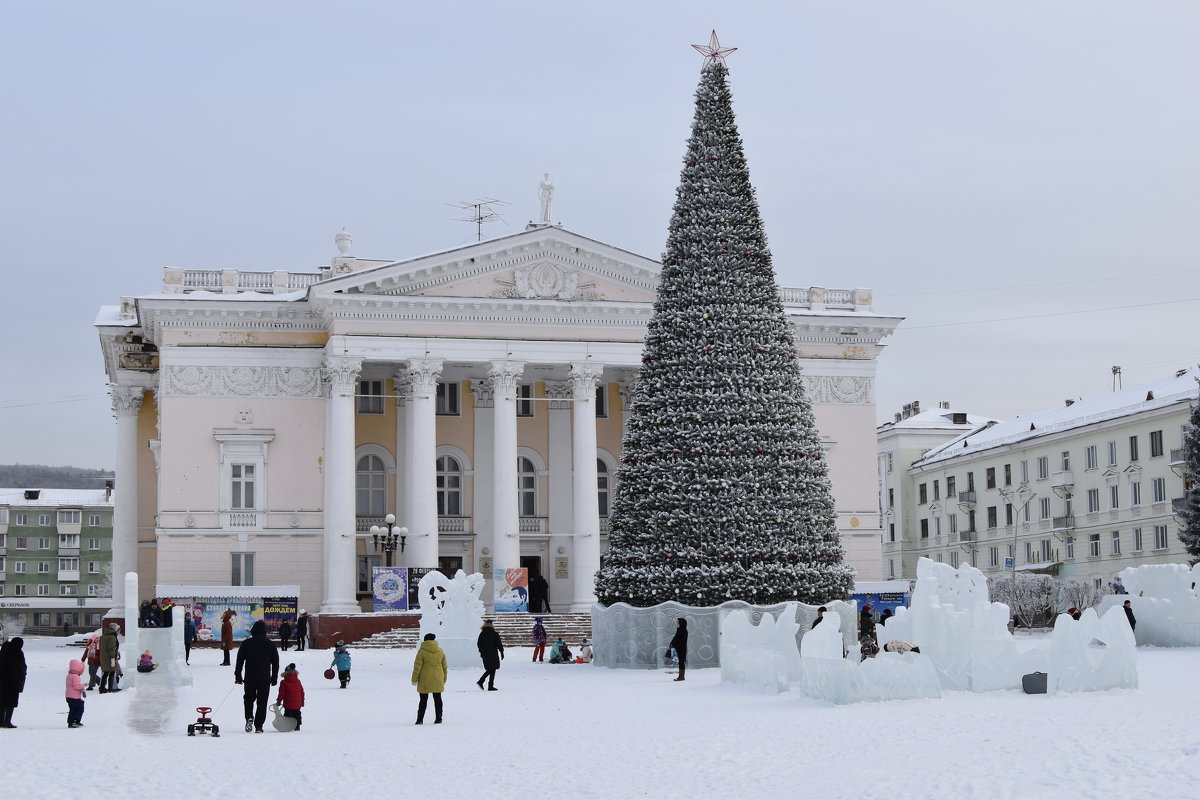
x=75, y=693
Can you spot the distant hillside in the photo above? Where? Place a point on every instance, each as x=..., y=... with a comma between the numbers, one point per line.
x=38, y=476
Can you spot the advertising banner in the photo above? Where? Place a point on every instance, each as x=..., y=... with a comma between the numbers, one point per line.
x=390, y=587
x=511, y=589
x=206, y=615
x=277, y=610
x=414, y=579
x=878, y=601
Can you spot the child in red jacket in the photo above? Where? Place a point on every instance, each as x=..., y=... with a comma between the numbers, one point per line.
x=291, y=694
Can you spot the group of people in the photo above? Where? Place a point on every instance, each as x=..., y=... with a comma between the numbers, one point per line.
x=155, y=613
x=560, y=653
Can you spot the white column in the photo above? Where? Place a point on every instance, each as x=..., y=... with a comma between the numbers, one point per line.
x=506, y=519
x=561, y=522
x=126, y=404
x=340, y=374
x=403, y=386
x=481, y=511
x=421, y=464
x=584, y=376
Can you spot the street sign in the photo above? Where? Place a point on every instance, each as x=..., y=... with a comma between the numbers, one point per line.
x=1009, y=562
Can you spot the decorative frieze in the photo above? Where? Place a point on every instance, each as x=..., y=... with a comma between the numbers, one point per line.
x=228, y=381
x=546, y=281
x=839, y=389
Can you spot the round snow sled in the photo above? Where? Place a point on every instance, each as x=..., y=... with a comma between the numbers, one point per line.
x=282, y=723
x=329, y=673
x=204, y=724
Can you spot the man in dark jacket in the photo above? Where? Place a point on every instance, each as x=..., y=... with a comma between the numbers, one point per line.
x=12, y=678
x=302, y=630
x=260, y=658
x=491, y=650
x=679, y=645
x=1129, y=616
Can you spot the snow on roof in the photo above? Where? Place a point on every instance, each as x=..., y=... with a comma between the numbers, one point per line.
x=936, y=418
x=169, y=590
x=237, y=297
x=55, y=497
x=1086, y=411
x=111, y=315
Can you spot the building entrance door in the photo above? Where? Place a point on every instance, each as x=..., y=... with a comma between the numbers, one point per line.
x=450, y=565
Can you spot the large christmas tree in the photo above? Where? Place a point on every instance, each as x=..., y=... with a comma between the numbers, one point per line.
x=723, y=491
x=1189, y=514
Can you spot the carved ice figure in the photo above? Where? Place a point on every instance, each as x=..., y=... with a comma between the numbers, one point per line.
x=452, y=611
x=763, y=655
x=1165, y=602
x=1092, y=653
x=827, y=675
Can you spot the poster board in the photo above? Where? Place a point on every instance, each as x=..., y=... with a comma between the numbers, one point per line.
x=511, y=587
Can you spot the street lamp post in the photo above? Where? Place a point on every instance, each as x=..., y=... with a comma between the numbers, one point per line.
x=1019, y=497
x=389, y=538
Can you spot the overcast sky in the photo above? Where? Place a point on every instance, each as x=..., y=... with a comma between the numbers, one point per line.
x=995, y=171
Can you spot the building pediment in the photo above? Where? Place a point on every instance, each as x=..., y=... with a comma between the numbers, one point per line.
x=544, y=263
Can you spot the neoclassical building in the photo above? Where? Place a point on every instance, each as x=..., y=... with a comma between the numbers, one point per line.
x=266, y=420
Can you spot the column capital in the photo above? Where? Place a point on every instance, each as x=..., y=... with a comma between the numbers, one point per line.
x=424, y=373
x=403, y=382
x=584, y=377
x=341, y=372
x=504, y=376
x=482, y=389
x=126, y=400
x=559, y=394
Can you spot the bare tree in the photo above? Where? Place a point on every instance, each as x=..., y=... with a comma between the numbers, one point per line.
x=1030, y=597
x=1078, y=594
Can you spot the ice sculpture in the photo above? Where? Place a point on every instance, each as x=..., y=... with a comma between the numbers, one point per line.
x=965, y=636
x=164, y=644
x=1164, y=601
x=763, y=655
x=452, y=611
x=1092, y=653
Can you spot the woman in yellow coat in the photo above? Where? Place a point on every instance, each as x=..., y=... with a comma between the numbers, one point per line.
x=429, y=676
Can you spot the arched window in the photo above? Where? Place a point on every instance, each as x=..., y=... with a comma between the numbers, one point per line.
x=526, y=487
x=449, y=487
x=602, y=485
x=370, y=487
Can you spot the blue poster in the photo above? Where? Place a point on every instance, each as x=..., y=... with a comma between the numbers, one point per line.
x=390, y=587
x=511, y=589
x=878, y=601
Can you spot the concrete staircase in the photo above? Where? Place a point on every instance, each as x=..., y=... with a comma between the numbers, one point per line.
x=516, y=630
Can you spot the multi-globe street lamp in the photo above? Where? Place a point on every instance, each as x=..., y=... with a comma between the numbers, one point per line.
x=389, y=538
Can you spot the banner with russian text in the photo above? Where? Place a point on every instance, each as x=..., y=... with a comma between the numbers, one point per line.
x=390, y=587
x=511, y=589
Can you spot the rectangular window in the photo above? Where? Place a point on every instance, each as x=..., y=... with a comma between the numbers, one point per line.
x=68, y=540
x=370, y=397
x=1044, y=508
x=950, y=487
x=889, y=462
x=1112, y=454
x=525, y=400
x=448, y=401
x=365, y=565
x=1160, y=537
x=69, y=516
x=602, y=409
x=1158, y=490
x=93, y=590
x=937, y=526
x=1133, y=448
x=242, y=488
x=1029, y=552
x=20, y=590
x=21, y=543
x=22, y=519
x=242, y=573
x=1024, y=472
x=1066, y=460
x=1156, y=443
x=991, y=517
x=993, y=556
x=922, y=494
x=68, y=590
x=891, y=498
x=970, y=481
x=93, y=567
x=891, y=531
x=1047, y=555
x=44, y=543
x=1135, y=493
x=43, y=590
x=891, y=568
x=20, y=567
x=954, y=558
x=3, y=516
x=1114, y=497
x=1008, y=474
x=43, y=520
x=68, y=564
x=937, y=495
x=1094, y=545
x=924, y=529
x=1093, y=496
x=94, y=520
x=1089, y=457
x=953, y=523
x=1043, y=467
x=3, y=562
x=1137, y=540
x=991, y=477
x=1008, y=514
x=1070, y=547
x=1116, y=543
x=43, y=567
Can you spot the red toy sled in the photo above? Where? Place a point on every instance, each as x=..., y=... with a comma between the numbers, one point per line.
x=329, y=673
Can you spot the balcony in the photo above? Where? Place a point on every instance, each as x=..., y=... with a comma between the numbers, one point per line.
x=532, y=525
x=69, y=528
x=454, y=525
x=1064, y=523
x=967, y=536
x=241, y=520
x=1178, y=455
x=966, y=498
x=68, y=575
x=68, y=551
x=1062, y=480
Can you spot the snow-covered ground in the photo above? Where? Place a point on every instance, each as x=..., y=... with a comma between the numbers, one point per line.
x=582, y=731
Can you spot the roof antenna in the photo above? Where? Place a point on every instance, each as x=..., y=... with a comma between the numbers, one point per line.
x=1117, y=384
x=481, y=212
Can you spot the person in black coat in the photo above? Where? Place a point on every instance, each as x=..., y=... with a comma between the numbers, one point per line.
x=491, y=651
x=539, y=594
x=12, y=678
x=866, y=623
x=302, y=630
x=679, y=645
x=1129, y=616
x=259, y=657
x=285, y=634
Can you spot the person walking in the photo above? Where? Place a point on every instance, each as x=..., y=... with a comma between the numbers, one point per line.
x=539, y=640
x=679, y=645
x=189, y=637
x=285, y=635
x=12, y=678
x=92, y=656
x=259, y=658
x=291, y=694
x=110, y=657
x=429, y=676
x=491, y=651
x=341, y=662
x=302, y=630
x=75, y=690
x=1129, y=615
x=866, y=623
x=227, y=633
